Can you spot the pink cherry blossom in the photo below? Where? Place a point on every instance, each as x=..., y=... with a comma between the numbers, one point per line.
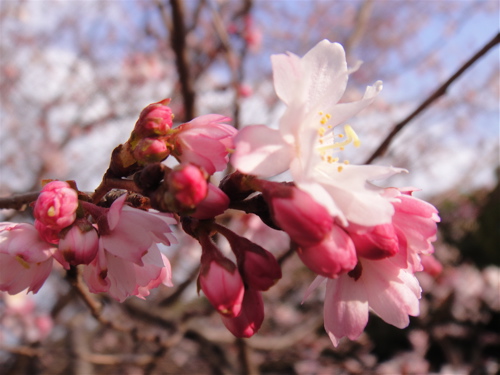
x=416, y=224
x=131, y=232
x=382, y=286
x=311, y=88
x=129, y=261
x=25, y=259
x=121, y=278
x=56, y=205
x=205, y=141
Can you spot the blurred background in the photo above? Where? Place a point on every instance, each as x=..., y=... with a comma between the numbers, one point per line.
x=74, y=76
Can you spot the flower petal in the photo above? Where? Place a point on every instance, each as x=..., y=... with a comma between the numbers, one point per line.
x=261, y=151
x=346, y=308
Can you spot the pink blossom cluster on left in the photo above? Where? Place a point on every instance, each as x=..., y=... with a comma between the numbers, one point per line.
x=116, y=259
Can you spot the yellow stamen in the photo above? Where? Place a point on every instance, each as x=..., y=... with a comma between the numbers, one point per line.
x=22, y=262
x=339, y=168
x=51, y=211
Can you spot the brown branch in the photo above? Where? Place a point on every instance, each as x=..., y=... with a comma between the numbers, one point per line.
x=178, y=40
x=435, y=95
x=18, y=201
x=361, y=22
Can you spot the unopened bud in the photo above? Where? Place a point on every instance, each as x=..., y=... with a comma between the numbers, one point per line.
x=334, y=255
x=248, y=322
x=377, y=242
x=79, y=245
x=150, y=150
x=220, y=280
x=154, y=120
x=214, y=204
x=298, y=214
x=188, y=186
x=56, y=205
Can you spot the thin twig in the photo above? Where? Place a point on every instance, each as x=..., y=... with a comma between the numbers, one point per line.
x=178, y=41
x=435, y=95
x=18, y=201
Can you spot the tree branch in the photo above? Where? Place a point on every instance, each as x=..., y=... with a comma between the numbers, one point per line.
x=435, y=95
x=18, y=201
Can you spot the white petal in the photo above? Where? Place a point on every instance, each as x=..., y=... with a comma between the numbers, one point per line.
x=261, y=151
x=324, y=74
x=286, y=75
x=344, y=111
x=359, y=200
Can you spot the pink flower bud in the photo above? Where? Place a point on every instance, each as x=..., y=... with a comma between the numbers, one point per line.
x=220, y=280
x=248, y=322
x=46, y=233
x=150, y=150
x=375, y=243
x=214, y=204
x=334, y=255
x=259, y=268
x=188, y=185
x=79, y=245
x=56, y=205
x=306, y=222
x=154, y=120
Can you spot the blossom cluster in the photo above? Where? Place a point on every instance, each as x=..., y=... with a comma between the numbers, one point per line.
x=365, y=241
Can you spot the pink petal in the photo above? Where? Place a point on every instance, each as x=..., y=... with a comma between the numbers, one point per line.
x=346, y=308
x=261, y=151
x=115, y=210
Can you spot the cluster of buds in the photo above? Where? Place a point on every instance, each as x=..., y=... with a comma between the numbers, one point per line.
x=234, y=289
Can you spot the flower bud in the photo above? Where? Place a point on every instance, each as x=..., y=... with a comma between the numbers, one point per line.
x=334, y=255
x=377, y=242
x=56, y=205
x=46, y=233
x=150, y=150
x=298, y=214
x=154, y=120
x=259, y=268
x=248, y=322
x=220, y=280
x=79, y=245
x=215, y=203
x=188, y=185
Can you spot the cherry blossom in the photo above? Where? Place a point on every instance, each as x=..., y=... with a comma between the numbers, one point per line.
x=25, y=259
x=311, y=88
